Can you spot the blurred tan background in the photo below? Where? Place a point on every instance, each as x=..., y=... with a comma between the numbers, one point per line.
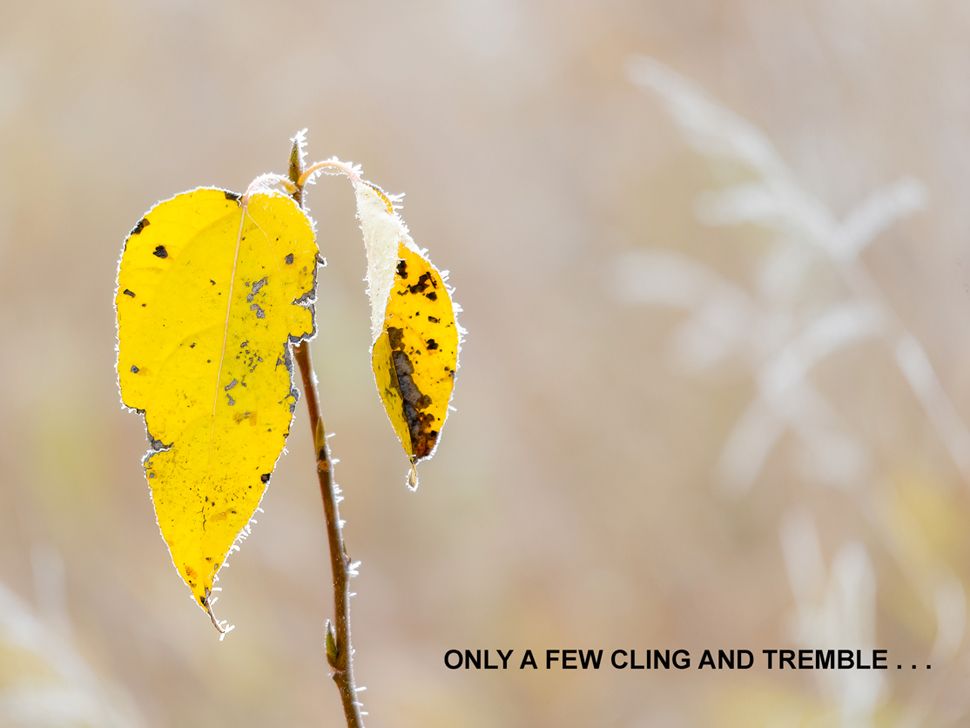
x=715, y=392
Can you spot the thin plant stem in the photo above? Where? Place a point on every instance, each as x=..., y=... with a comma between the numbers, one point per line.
x=339, y=649
x=329, y=166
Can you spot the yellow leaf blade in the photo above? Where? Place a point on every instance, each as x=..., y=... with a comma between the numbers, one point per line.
x=415, y=356
x=211, y=291
x=416, y=335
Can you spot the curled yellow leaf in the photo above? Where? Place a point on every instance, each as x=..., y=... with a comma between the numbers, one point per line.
x=415, y=334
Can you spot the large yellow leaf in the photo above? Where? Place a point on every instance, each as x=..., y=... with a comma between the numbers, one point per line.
x=415, y=334
x=212, y=288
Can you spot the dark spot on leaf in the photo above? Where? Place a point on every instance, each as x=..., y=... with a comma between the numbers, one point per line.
x=402, y=268
x=431, y=296
x=396, y=337
x=234, y=196
x=264, y=477
x=212, y=281
x=289, y=258
x=140, y=225
x=423, y=281
x=257, y=286
x=134, y=369
x=419, y=423
x=434, y=319
x=260, y=313
x=129, y=292
x=231, y=384
x=432, y=344
x=192, y=345
x=160, y=252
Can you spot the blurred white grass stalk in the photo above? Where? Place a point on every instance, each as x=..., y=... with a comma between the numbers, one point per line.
x=834, y=607
x=725, y=319
x=837, y=605
x=722, y=315
x=784, y=393
x=67, y=692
